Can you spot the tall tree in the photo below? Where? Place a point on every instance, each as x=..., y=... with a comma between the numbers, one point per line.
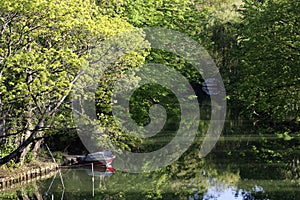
x=269, y=59
x=43, y=44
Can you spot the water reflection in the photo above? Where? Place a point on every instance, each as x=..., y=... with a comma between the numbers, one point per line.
x=248, y=162
x=186, y=179
x=77, y=182
x=228, y=193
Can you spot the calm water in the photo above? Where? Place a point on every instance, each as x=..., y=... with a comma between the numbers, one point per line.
x=250, y=161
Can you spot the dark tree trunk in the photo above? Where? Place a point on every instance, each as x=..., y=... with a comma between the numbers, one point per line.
x=2, y=127
x=17, y=152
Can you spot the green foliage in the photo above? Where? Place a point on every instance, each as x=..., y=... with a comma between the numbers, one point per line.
x=27, y=192
x=182, y=16
x=43, y=44
x=269, y=59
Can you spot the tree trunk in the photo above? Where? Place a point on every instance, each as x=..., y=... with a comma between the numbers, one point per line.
x=22, y=146
x=37, y=144
x=2, y=121
x=2, y=127
x=21, y=159
x=28, y=120
x=36, y=148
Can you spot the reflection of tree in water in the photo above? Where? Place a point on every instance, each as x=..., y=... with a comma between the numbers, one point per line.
x=265, y=154
x=188, y=176
x=247, y=157
x=27, y=192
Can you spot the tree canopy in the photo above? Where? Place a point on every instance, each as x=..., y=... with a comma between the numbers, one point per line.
x=269, y=59
x=45, y=43
x=43, y=46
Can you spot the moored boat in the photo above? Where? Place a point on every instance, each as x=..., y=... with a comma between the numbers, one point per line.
x=98, y=158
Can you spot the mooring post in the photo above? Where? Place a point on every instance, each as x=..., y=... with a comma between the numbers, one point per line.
x=93, y=179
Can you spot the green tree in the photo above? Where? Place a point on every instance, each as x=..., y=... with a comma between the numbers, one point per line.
x=174, y=14
x=182, y=16
x=189, y=17
x=269, y=59
x=43, y=44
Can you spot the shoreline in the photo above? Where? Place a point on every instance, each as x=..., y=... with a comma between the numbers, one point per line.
x=24, y=175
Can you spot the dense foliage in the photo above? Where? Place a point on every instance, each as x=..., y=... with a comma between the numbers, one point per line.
x=255, y=44
x=269, y=59
x=44, y=43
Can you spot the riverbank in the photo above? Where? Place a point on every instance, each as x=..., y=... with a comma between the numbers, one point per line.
x=10, y=178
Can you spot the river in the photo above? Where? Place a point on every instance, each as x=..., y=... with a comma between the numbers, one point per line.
x=251, y=160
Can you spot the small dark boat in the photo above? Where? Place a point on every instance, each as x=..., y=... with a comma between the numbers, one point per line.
x=97, y=158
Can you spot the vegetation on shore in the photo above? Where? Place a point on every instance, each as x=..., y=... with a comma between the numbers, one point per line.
x=44, y=43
